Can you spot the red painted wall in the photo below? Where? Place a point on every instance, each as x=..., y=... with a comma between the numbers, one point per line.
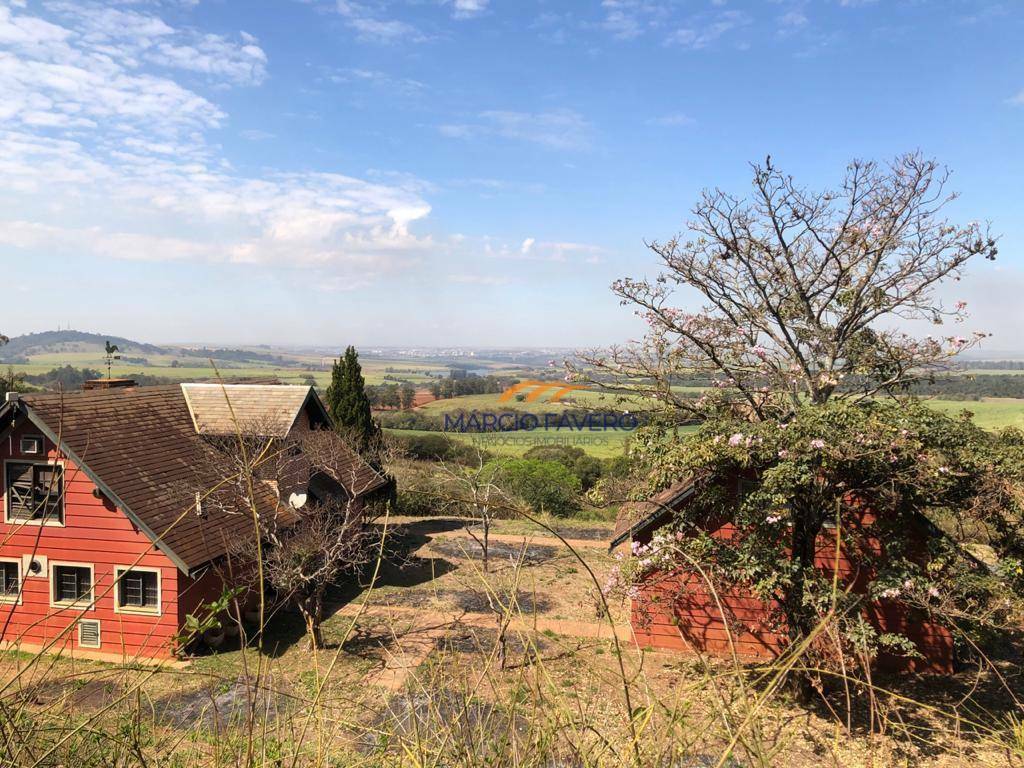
x=97, y=533
x=677, y=611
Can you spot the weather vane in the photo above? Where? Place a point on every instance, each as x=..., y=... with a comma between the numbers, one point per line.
x=111, y=356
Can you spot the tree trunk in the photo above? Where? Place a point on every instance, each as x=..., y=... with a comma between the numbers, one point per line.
x=486, y=545
x=312, y=613
x=801, y=620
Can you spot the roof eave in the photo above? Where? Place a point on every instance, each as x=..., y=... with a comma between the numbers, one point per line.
x=662, y=508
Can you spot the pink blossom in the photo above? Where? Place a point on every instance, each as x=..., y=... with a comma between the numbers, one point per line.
x=817, y=443
x=736, y=439
x=933, y=592
x=961, y=306
x=891, y=592
x=783, y=454
x=773, y=519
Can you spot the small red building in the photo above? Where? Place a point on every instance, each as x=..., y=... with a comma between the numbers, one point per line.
x=104, y=546
x=677, y=611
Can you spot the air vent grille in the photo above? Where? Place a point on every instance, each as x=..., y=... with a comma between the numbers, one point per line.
x=89, y=633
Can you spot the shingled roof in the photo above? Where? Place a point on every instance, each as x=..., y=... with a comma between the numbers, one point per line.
x=142, y=448
x=219, y=409
x=635, y=516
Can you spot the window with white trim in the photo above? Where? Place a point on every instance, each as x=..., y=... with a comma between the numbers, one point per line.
x=10, y=580
x=31, y=445
x=72, y=584
x=34, y=492
x=138, y=589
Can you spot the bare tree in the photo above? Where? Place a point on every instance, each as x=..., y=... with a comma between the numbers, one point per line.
x=472, y=487
x=306, y=555
x=304, y=491
x=801, y=292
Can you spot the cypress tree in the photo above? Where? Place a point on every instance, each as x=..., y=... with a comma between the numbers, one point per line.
x=347, y=401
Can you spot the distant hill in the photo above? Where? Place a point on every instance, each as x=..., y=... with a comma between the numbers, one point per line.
x=48, y=342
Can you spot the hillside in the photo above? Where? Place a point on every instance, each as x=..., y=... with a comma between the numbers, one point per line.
x=49, y=342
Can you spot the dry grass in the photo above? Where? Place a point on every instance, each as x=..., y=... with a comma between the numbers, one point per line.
x=489, y=690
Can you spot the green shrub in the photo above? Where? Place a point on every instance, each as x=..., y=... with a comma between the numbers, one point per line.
x=436, y=448
x=547, y=486
x=576, y=460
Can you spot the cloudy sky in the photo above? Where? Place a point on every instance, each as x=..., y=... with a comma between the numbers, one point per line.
x=470, y=172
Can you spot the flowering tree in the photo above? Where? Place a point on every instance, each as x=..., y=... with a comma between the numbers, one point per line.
x=802, y=295
x=881, y=471
x=801, y=292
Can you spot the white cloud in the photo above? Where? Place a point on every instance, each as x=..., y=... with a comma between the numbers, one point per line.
x=465, y=9
x=101, y=155
x=546, y=250
x=402, y=86
x=256, y=134
x=456, y=131
x=132, y=35
x=1017, y=100
x=672, y=120
x=793, y=19
x=469, y=279
x=622, y=25
x=628, y=19
x=702, y=32
x=561, y=129
x=369, y=28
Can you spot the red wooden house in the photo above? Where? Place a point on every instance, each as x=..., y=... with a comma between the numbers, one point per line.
x=104, y=548
x=677, y=611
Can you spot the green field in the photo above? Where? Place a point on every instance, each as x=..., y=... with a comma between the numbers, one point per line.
x=493, y=402
x=602, y=445
x=192, y=367
x=989, y=412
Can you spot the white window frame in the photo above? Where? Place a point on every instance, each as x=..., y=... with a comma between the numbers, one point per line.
x=119, y=570
x=8, y=599
x=76, y=605
x=64, y=509
x=21, y=445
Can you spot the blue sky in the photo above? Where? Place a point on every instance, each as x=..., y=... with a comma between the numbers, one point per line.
x=457, y=172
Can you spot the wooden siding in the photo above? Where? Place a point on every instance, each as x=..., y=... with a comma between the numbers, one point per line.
x=677, y=611
x=95, y=533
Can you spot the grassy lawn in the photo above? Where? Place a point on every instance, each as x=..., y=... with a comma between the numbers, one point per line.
x=989, y=412
x=602, y=445
x=192, y=368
